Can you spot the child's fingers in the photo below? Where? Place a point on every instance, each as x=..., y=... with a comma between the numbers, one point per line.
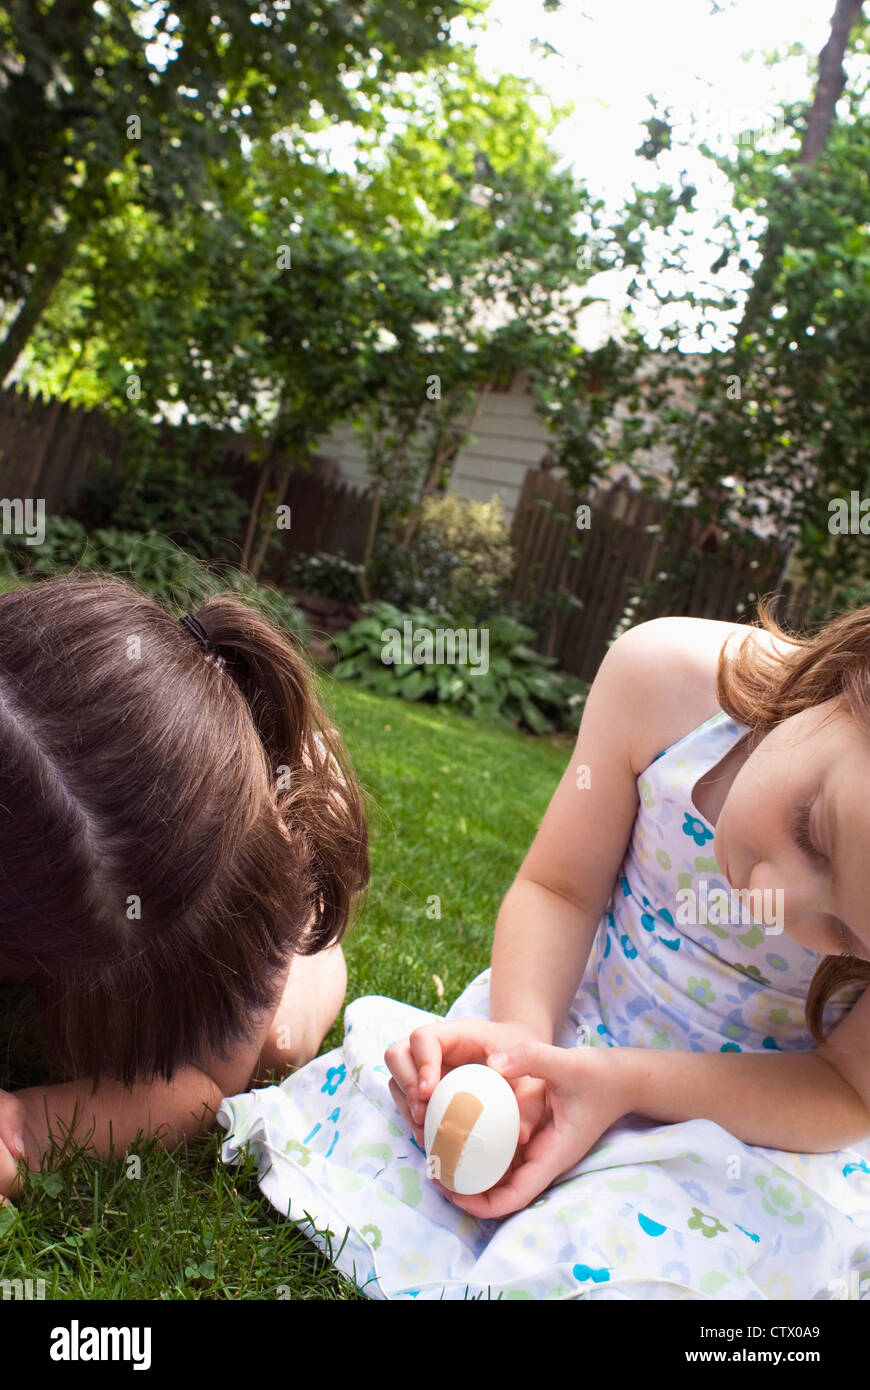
x=521, y=1186
x=531, y=1058
x=415, y=1064
x=401, y=1101
x=532, y=1099
x=12, y=1123
x=8, y=1173
x=403, y=1069
x=401, y=1065
x=427, y=1055
x=403, y=1106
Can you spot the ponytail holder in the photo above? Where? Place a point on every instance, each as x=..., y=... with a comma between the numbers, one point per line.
x=195, y=626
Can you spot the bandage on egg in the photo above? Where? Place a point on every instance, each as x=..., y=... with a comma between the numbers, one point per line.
x=458, y=1120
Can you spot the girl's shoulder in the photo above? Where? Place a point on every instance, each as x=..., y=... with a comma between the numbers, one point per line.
x=671, y=664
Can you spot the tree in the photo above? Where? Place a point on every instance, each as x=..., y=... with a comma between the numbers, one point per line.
x=290, y=296
x=778, y=424
x=84, y=95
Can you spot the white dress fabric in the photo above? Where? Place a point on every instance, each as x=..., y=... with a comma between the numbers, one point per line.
x=653, y=1211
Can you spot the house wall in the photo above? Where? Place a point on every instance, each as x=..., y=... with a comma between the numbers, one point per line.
x=506, y=440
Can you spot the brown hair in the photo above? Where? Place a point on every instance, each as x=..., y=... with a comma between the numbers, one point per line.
x=762, y=689
x=173, y=827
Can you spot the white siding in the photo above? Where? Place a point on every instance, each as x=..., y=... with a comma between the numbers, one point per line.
x=506, y=439
x=345, y=446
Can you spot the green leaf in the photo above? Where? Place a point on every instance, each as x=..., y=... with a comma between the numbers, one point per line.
x=535, y=720
x=414, y=686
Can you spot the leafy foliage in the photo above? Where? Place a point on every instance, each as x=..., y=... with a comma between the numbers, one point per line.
x=449, y=258
x=203, y=512
x=460, y=560
x=200, y=80
x=320, y=572
x=776, y=426
x=520, y=686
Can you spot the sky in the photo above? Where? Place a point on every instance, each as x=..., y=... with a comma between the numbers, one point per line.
x=702, y=58
x=704, y=65
x=615, y=52
x=611, y=55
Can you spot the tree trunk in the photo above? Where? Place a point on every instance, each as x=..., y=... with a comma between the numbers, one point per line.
x=254, y=516
x=370, y=540
x=266, y=464
x=266, y=536
x=22, y=326
x=829, y=87
x=80, y=214
x=441, y=457
x=76, y=363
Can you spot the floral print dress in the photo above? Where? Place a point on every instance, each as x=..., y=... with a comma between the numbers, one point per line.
x=653, y=1211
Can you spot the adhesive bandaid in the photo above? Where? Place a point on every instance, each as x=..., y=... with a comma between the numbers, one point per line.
x=458, y=1121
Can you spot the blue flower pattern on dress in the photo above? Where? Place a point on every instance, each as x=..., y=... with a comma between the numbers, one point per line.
x=334, y=1078
x=696, y=829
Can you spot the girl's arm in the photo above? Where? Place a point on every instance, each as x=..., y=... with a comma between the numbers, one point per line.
x=547, y=922
x=549, y=917
x=804, y=1102
x=113, y=1116
x=797, y=1101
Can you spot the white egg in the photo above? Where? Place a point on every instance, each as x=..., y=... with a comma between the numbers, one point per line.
x=471, y=1129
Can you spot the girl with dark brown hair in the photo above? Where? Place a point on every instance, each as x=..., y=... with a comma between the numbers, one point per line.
x=181, y=839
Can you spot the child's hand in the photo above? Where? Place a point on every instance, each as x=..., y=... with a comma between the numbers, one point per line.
x=11, y=1143
x=418, y=1062
x=586, y=1093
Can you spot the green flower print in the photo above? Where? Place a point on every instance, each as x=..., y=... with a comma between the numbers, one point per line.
x=707, y=1225
x=753, y=972
x=753, y=936
x=784, y=1196
x=700, y=990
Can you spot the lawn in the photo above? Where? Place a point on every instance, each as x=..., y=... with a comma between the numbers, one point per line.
x=454, y=805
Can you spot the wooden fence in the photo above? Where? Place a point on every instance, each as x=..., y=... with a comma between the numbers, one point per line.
x=48, y=448
x=576, y=582
x=580, y=581
x=327, y=515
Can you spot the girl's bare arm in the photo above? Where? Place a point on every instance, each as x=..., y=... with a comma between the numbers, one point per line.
x=549, y=916
x=797, y=1101
x=110, y=1118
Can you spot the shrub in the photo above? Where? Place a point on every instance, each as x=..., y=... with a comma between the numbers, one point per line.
x=333, y=576
x=460, y=561
x=204, y=513
x=156, y=564
x=519, y=687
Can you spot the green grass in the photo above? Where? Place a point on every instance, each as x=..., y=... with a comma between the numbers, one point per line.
x=453, y=807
